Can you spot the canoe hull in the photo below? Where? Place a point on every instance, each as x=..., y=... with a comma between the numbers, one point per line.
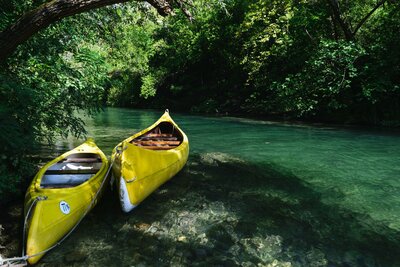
x=139, y=171
x=55, y=211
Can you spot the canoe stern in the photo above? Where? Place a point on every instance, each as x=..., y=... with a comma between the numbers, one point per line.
x=124, y=199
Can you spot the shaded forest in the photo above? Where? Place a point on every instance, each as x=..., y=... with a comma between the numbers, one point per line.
x=321, y=60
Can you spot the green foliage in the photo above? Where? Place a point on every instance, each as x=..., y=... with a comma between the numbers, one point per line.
x=42, y=88
x=131, y=45
x=197, y=67
x=16, y=133
x=265, y=30
x=324, y=84
x=281, y=58
x=148, y=86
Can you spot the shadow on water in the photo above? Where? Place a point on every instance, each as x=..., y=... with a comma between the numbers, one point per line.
x=222, y=211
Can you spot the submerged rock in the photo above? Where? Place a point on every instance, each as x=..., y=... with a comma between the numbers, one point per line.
x=142, y=226
x=214, y=158
x=182, y=238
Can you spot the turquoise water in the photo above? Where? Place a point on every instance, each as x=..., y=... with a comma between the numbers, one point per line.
x=253, y=193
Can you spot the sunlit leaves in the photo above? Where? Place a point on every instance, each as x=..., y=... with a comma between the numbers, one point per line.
x=324, y=81
x=148, y=86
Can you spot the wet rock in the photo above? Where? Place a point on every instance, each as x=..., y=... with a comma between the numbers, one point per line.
x=213, y=159
x=266, y=249
x=153, y=229
x=142, y=226
x=75, y=257
x=202, y=239
x=276, y=263
x=182, y=239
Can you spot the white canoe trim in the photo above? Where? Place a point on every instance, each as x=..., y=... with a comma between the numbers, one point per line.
x=126, y=204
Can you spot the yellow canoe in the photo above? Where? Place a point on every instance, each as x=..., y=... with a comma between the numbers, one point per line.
x=62, y=192
x=146, y=160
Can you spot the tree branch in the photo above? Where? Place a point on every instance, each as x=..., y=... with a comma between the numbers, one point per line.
x=182, y=5
x=338, y=16
x=367, y=16
x=50, y=12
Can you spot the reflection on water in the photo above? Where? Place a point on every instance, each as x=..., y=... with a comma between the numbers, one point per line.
x=252, y=194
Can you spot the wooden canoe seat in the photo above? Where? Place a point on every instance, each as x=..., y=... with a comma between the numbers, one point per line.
x=158, y=147
x=156, y=142
x=163, y=137
x=166, y=138
x=158, y=135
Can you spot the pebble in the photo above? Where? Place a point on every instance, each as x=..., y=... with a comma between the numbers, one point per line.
x=182, y=238
x=142, y=226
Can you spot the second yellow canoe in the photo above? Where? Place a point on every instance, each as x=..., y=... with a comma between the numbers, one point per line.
x=147, y=159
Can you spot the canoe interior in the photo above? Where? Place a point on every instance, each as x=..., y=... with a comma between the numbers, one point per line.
x=164, y=136
x=71, y=171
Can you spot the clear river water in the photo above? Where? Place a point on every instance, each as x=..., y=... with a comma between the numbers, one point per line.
x=253, y=193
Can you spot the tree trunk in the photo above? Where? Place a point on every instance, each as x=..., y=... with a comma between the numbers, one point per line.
x=344, y=25
x=48, y=13
x=348, y=34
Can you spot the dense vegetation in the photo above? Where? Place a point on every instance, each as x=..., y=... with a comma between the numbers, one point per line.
x=324, y=60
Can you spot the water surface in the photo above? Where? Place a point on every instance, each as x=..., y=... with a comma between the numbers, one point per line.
x=253, y=193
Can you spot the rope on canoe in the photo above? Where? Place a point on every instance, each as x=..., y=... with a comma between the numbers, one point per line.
x=13, y=262
x=22, y=261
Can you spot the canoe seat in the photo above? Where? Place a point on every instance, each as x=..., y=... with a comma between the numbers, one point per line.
x=156, y=142
x=158, y=147
x=159, y=135
x=162, y=137
x=69, y=174
x=67, y=167
x=63, y=180
x=150, y=138
x=82, y=160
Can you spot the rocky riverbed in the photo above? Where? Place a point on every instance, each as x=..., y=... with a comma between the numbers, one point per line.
x=219, y=211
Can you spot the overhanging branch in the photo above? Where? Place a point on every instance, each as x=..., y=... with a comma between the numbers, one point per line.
x=55, y=10
x=368, y=15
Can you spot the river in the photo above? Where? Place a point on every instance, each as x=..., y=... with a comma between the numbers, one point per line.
x=253, y=193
